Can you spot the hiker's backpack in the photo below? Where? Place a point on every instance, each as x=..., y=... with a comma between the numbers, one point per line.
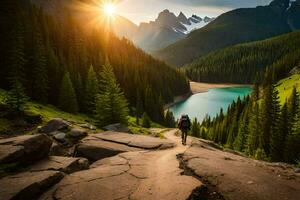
x=185, y=122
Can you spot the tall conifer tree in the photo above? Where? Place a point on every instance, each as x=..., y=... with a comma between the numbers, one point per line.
x=91, y=91
x=111, y=104
x=67, y=95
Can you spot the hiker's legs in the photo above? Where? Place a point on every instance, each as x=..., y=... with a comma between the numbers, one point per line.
x=185, y=136
x=182, y=136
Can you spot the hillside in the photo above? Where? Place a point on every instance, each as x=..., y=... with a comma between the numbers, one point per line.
x=234, y=27
x=40, y=49
x=247, y=62
x=285, y=87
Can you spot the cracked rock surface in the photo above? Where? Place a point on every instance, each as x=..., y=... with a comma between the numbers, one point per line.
x=107, y=144
x=237, y=177
x=64, y=164
x=28, y=185
x=132, y=175
x=26, y=148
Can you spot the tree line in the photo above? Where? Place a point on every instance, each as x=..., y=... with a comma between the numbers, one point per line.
x=58, y=62
x=246, y=63
x=258, y=125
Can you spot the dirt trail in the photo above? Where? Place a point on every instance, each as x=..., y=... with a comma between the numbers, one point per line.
x=151, y=175
x=164, y=180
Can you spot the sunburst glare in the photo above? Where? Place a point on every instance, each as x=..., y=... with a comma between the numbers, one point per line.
x=109, y=9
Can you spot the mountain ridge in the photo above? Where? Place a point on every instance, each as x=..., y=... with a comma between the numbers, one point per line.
x=166, y=29
x=234, y=27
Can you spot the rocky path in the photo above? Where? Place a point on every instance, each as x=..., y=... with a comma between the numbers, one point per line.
x=164, y=177
x=135, y=167
x=132, y=175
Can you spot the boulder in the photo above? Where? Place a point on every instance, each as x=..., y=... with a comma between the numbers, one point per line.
x=24, y=149
x=32, y=118
x=77, y=133
x=95, y=149
x=64, y=164
x=88, y=126
x=28, y=185
x=55, y=124
x=60, y=136
x=57, y=150
x=117, y=127
x=297, y=170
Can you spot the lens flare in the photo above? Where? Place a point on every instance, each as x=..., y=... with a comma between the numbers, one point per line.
x=109, y=9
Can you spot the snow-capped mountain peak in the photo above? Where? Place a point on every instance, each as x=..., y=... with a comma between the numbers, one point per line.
x=192, y=23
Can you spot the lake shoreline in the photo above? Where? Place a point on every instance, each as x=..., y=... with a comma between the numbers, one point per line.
x=198, y=87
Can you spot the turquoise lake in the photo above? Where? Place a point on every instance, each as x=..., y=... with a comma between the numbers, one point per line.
x=198, y=105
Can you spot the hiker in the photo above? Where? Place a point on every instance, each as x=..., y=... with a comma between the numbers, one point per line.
x=184, y=125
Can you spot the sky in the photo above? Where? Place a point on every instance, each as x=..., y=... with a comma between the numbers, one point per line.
x=147, y=10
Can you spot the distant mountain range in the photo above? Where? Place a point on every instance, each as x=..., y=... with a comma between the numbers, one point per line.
x=165, y=30
x=234, y=27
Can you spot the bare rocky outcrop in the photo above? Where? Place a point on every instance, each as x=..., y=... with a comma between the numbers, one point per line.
x=117, y=128
x=53, y=125
x=138, y=141
x=64, y=164
x=135, y=175
x=28, y=185
x=107, y=144
x=111, y=179
x=237, y=177
x=78, y=133
x=24, y=149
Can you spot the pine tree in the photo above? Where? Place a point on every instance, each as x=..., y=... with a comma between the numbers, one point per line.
x=267, y=116
x=292, y=107
x=169, y=119
x=91, y=91
x=240, y=140
x=150, y=102
x=279, y=137
x=39, y=87
x=276, y=136
x=79, y=92
x=111, y=104
x=139, y=108
x=146, y=122
x=67, y=95
x=17, y=57
x=195, y=128
x=254, y=138
x=292, y=149
x=17, y=98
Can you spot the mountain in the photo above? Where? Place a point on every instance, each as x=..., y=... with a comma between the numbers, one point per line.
x=246, y=63
x=234, y=27
x=165, y=30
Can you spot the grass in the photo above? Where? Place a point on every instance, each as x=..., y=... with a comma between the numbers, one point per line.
x=49, y=112
x=138, y=129
x=285, y=87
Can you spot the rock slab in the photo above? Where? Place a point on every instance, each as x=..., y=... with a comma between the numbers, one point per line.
x=28, y=185
x=24, y=149
x=64, y=164
x=108, y=144
x=139, y=141
x=55, y=124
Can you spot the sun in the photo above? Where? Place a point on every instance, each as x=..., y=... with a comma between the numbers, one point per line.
x=109, y=9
